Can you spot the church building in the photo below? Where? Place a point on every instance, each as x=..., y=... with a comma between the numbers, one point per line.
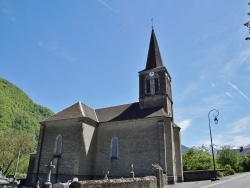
x=82, y=142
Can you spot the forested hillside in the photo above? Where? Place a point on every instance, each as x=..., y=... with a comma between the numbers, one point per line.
x=18, y=111
x=19, y=127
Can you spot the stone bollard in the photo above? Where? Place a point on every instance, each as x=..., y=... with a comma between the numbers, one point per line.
x=158, y=172
x=106, y=172
x=132, y=174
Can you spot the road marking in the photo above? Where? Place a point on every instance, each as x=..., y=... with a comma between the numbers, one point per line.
x=240, y=176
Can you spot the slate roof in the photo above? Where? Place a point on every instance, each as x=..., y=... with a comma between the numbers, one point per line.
x=128, y=112
x=115, y=113
x=154, y=56
x=77, y=110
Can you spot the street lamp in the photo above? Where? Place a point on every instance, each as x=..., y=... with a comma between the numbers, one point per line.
x=215, y=121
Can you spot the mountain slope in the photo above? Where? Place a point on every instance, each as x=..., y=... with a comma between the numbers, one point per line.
x=18, y=111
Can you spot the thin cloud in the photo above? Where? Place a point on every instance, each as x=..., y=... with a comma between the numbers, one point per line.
x=191, y=88
x=50, y=46
x=237, y=89
x=107, y=6
x=234, y=134
x=233, y=140
x=10, y=14
x=68, y=57
x=235, y=64
x=228, y=94
x=241, y=125
x=54, y=47
x=215, y=101
x=185, y=124
x=213, y=84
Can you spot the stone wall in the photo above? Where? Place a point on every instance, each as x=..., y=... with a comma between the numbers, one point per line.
x=138, y=144
x=146, y=182
x=78, y=144
x=198, y=175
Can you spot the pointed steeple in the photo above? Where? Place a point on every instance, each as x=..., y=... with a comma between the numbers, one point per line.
x=155, y=81
x=154, y=56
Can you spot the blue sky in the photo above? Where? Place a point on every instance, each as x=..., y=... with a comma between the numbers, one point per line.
x=60, y=52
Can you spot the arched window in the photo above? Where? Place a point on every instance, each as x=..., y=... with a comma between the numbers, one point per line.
x=58, y=146
x=114, y=148
x=152, y=84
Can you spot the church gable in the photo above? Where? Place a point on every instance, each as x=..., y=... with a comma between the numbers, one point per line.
x=77, y=110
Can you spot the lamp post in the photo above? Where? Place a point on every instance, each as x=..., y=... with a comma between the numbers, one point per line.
x=215, y=121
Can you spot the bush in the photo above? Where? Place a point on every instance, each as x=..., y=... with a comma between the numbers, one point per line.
x=244, y=164
x=228, y=157
x=197, y=160
x=220, y=174
x=229, y=170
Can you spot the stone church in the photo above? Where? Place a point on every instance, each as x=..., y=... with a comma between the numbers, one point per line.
x=82, y=142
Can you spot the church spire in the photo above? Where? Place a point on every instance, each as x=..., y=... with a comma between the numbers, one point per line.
x=154, y=57
x=155, y=81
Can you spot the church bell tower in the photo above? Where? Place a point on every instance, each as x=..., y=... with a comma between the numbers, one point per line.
x=155, y=81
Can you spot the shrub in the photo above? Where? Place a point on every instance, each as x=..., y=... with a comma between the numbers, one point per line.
x=244, y=164
x=197, y=160
x=220, y=174
x=229, y=170
x=228, y=157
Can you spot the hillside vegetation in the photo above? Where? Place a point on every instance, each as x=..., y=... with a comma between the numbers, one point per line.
x=18, y=111
x=19, y=127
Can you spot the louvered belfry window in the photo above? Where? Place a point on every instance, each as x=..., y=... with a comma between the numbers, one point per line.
x=152, y=85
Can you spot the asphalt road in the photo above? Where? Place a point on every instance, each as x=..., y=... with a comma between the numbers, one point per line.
x=234, y=181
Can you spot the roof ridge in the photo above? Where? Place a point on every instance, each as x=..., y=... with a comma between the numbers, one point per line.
x=81, y=108
x=96, y=115
x=116, y=105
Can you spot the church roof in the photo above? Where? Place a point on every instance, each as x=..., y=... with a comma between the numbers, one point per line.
x=128, y=112
x=154, y=56
x=77, y=110
x=114, y=113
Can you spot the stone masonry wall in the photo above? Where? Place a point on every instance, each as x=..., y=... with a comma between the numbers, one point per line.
x=146, y=182
x=78, y=144
x=138, y=144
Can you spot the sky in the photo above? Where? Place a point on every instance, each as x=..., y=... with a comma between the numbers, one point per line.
x=60, y=52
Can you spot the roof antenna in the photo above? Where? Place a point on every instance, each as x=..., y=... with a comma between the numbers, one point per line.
x=152, y=20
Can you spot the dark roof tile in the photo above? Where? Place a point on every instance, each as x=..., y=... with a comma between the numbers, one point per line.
x=128, y=112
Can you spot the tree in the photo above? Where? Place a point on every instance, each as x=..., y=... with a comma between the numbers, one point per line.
x=11, y=142
x=247, y=24
x=197, y=160
x=228, y=157
x=244, y=164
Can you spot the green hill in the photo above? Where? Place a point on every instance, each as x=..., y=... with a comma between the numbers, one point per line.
x=18, y=111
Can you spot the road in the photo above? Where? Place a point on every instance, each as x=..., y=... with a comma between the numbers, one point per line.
x=234, y=181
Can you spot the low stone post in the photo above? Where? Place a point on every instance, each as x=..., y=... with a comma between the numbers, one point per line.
x=158, y=172
x=106, y=172
x=48, y=184
x=132, y=174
